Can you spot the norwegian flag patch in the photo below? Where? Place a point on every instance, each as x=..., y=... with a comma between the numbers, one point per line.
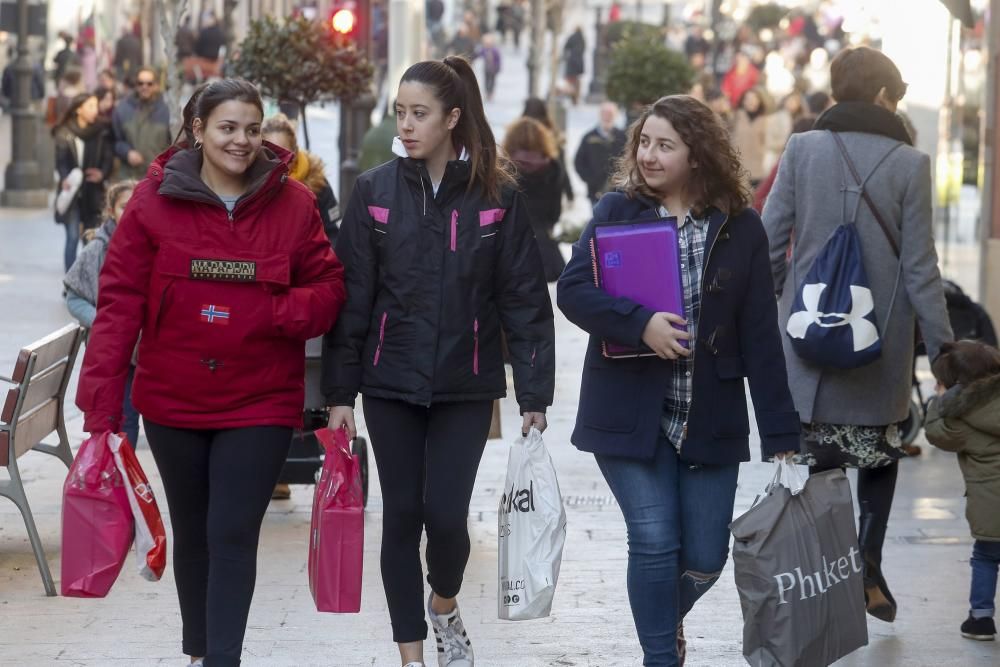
x=215, y=314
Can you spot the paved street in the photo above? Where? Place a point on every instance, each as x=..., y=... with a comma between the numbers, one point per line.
x=926, y=555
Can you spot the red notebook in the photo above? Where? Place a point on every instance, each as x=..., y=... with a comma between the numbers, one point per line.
x=639, y=261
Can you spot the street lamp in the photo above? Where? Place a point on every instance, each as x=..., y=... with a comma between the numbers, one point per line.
x=23, y=177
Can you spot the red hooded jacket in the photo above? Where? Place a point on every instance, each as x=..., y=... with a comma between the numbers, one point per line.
x=224, y=301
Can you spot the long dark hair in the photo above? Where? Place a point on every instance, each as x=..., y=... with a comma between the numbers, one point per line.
x=70, y=113
x=456, y=87
x=208, y=96
x=719, y=180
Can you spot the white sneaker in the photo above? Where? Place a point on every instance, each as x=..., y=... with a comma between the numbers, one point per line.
x=453, y=645
x=414, y=664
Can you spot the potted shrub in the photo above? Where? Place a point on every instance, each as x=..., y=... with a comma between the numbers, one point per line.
x=642, y=70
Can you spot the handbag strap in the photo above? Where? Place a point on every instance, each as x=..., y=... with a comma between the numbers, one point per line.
x=864, y=194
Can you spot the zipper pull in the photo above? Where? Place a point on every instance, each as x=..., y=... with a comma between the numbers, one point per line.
x=232, y=223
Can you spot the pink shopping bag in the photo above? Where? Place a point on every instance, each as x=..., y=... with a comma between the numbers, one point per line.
x=336, y=541
x=97, y=523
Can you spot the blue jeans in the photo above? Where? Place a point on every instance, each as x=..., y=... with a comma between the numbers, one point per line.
x=677, y=516
x=72, y=226
x=985, y=560
x=130, y=422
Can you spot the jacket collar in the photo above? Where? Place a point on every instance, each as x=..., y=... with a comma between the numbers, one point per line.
x=178, y=170
x=960, y=401
x=651, y=210
x=716, y=218
x=863, y=117
x=456, y=174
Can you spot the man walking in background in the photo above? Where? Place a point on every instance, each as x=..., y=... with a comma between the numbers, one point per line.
x=141, y=125
x=597, y=151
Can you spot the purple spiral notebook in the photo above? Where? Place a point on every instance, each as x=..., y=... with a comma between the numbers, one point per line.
x=639, y=261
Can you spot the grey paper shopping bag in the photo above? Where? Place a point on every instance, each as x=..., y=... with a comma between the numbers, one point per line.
x=799, y=575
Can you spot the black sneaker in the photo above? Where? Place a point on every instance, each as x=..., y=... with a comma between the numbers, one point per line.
x=980, y=629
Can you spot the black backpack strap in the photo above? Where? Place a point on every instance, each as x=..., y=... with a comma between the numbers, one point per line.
x=864, y=193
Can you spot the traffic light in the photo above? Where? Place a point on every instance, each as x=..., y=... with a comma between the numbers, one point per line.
x=351, y=20
x=345, y=19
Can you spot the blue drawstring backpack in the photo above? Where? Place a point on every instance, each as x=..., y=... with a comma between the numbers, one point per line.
x=832, y=322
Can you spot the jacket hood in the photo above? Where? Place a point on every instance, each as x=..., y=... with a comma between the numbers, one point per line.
x=309, y=170
x=529, y=162
x=978, y=403
x=178, y=171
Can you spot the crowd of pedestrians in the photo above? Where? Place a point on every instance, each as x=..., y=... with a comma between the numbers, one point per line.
x=225, y=244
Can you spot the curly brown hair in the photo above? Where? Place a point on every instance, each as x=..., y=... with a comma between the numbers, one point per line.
x=719, y=181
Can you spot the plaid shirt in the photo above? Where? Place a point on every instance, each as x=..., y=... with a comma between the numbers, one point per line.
x=692, y=234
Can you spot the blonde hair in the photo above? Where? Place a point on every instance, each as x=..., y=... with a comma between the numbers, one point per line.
x=115, y=193
x=281, y=124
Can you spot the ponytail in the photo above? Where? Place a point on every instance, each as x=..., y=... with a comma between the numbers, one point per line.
x=455, y=85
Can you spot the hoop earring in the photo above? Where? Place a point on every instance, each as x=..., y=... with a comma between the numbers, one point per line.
x=197, y=144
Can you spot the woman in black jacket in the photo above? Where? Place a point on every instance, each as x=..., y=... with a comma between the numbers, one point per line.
x=439, y=258
x=537, y=109
x=84, y=159
x=532, y=149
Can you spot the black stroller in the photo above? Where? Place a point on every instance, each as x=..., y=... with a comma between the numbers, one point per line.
x=305, y=458
x=969, y=321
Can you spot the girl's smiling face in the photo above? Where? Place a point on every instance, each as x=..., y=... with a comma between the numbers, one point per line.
x=230, y=137
x=662, y=156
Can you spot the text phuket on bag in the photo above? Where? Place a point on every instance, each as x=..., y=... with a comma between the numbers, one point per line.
x=811, y=585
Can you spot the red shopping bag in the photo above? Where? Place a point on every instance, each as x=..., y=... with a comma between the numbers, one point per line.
x=150, y=536
x=97, y=523
x=336, y=541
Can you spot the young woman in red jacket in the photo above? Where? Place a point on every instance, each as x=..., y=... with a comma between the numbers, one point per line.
x=221, y=261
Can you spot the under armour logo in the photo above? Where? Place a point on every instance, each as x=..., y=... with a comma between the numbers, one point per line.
x=864, y=332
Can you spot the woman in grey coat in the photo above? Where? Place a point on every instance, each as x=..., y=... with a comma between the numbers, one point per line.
x=850, y=417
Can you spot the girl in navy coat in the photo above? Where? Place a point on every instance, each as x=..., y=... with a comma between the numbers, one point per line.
x=669, y=431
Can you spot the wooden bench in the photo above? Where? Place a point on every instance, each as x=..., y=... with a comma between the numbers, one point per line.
x=32, y=410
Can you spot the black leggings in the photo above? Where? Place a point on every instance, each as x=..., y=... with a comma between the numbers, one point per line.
x=876, y=488
x=218, y=485
x=427, y=461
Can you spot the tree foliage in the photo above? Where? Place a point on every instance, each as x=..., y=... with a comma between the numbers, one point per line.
x=642, y=70
x=302, y=62
x=766, y=16
x=620, y=30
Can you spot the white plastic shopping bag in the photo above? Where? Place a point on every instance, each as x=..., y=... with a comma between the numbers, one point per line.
x=532, y=532
x=150, y=535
